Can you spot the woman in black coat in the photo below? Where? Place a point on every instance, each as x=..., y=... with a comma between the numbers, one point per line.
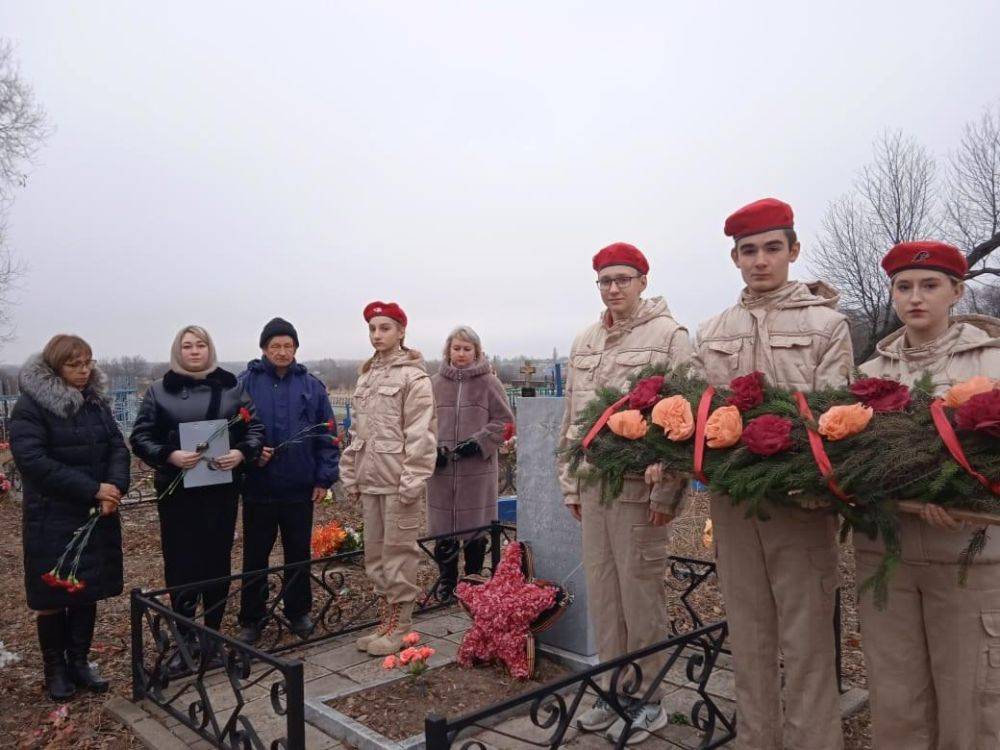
x=74, y=462
x=197, y=523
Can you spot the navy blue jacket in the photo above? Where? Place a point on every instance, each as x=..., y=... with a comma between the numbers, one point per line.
x=285, y=406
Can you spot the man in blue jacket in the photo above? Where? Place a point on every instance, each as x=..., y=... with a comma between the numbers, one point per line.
x=280, y=490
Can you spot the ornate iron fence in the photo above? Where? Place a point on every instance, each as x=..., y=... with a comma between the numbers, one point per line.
x=191, y=671
x=619, y=682
x=204, y=678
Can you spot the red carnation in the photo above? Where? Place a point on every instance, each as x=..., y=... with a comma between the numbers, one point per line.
x=331, y=425
x=508, y=431
x=245, y=414
x=980, y=413
x=881, y=394
x=646, y=393
x=51, y=579
x=76, y=586
x=335, y=440
x=767, y=435
x=748, y=391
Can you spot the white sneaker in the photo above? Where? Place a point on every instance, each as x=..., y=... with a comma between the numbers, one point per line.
x=597, y=718
x=646, y=719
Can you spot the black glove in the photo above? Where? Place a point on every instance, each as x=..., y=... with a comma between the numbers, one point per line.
x=442, y=457
x=467, y=448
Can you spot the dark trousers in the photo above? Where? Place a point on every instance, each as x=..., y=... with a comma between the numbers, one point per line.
x=446, y=554
x=196, y=535
x=261, y=524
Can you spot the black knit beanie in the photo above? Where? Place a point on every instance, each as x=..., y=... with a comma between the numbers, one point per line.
x=278, y=327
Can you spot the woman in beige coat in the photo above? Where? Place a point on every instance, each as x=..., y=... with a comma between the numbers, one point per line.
x=391, y=454
x=933, y=654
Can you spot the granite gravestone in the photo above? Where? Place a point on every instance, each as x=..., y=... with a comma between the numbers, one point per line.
x=545, y=524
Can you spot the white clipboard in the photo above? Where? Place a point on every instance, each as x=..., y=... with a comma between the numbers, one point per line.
x=194, y=434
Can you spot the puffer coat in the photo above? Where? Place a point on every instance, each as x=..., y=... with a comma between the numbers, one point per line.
x=66, y=443
x=179, y=398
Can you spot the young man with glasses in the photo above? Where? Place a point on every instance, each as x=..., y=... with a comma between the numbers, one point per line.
x=280, y=490
x=624, y=543
x=779, y=576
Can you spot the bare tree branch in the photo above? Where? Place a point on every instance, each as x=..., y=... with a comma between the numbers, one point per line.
x=23, y=125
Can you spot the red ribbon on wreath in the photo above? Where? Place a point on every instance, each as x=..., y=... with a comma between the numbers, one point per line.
x=701, y=420
x=603, y=420
x=950, y=440
x=818, y=451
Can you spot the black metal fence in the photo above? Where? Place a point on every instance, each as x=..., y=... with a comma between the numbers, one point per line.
x=619, y=682
x=203, y=678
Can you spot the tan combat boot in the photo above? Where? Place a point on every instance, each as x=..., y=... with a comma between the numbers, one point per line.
x=398, y=624
x=363, y=642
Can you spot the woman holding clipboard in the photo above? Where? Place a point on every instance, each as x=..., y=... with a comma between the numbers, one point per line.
x=196, y=522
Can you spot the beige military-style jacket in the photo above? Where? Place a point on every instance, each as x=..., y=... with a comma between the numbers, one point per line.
x=608, y=355
x=393, y=443
x=970, y=347
x=794, y=335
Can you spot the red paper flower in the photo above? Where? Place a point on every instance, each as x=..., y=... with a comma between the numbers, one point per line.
x=747, y=391
x=881, y=395
x=646, y=393
x=767, y=435
x=502, y=611
x=980, y=413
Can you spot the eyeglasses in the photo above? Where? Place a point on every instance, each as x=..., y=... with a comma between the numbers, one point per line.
x=85, y=365
x=622, y=282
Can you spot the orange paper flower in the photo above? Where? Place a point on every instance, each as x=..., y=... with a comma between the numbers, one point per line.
x=839, y=422
x=674, y=415
x=628, y=424
x=724, y=427
x=326, y=539
x=959, y=393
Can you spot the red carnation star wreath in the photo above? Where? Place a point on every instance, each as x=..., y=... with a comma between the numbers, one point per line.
x=507, y=611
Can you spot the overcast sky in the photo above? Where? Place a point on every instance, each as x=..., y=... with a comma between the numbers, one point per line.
x=222, y=163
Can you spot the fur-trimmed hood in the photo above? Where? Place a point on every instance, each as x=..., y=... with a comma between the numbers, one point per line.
x=51, y=392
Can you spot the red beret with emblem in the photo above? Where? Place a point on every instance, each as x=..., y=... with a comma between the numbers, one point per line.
x=386, y=310
x=621, y=254
x=929, y=254
x=758, y=217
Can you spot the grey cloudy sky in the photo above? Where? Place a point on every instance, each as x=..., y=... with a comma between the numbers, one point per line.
x=222, y=163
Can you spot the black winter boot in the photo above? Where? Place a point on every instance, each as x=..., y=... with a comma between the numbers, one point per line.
x=52, y=639
x=81, y=634
x=446, y=557
x=475, y=554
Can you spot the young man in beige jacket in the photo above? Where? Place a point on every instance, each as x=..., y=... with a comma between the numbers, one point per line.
x=779, y=576
x=624, y=543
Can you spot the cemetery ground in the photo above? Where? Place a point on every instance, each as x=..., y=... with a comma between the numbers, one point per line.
x=28, y=719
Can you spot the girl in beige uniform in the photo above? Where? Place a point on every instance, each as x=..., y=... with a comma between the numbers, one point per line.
x=391, y=455
x=933, y=654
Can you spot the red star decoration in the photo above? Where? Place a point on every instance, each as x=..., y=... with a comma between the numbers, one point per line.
x=503, y=610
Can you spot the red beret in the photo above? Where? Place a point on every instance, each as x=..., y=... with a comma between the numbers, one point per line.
x=934, y=256
x=759, y=217
x=385, y=309
x=621, y=254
